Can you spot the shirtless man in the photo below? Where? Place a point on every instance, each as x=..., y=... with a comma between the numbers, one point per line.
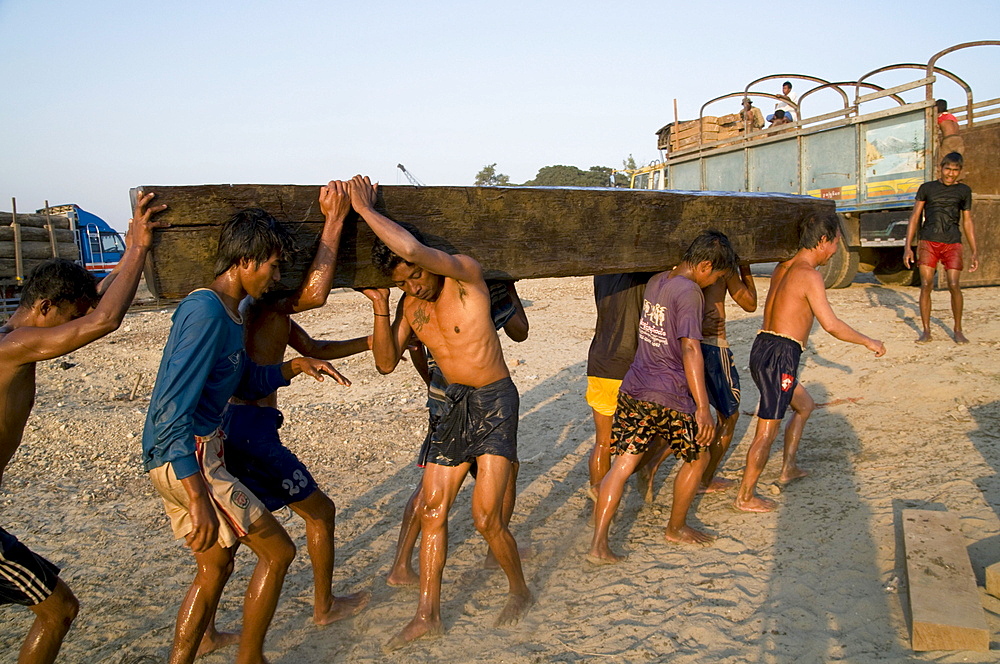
x=796, y=297
x=50, y=321
x=949, y=131
x=508, y=314
x=204, y=364
x=941, y=212
x=254, y=453
x=448, y=308
x=721, y=379
x=662, y=399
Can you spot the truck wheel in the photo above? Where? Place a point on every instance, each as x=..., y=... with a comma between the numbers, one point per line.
x=890, y=270
x=840, y=270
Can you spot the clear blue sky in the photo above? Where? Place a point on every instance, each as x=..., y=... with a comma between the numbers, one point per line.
x=99, y=96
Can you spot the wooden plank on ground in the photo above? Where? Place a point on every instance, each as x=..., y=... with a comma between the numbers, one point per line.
x=945, y=608
x=515, y=232
x=993, y=579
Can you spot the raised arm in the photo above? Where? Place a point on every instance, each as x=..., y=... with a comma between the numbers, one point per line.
x=742, y=289
x=911, y=232
x=300, y=340
x=402, y=243
x=389, y=340
x=816, y=296
x=33, y=344
x=335, y=203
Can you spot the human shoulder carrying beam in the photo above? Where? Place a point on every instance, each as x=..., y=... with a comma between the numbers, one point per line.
x=514, y=232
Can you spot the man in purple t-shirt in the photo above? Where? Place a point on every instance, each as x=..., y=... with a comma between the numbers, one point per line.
x=663, y=400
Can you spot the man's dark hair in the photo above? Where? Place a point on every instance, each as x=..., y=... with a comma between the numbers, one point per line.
x=815, y=227
x=252, y=235
x=384, y=259
x=59, y=281
x=714, y=247
x=779, y=114
x=788, y=83
x=942, y=105
x=953, y=158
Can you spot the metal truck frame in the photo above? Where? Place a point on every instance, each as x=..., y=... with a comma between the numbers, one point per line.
x=869, y=163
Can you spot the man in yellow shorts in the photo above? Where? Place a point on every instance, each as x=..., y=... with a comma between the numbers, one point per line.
x=616, y=336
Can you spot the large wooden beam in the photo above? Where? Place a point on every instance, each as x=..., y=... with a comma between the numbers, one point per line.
x=945, y=608
x=515, y=232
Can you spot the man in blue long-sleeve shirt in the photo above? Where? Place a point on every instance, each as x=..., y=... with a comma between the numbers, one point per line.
x=204, y=364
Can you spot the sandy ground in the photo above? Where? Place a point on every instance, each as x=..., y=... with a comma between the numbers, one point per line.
x=820, y=579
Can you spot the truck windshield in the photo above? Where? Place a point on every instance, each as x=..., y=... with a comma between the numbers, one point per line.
x=111, y=243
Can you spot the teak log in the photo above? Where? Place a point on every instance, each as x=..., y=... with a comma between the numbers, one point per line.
x=39, y=250
x=33, y=234
x=35, y=220
x=514, y=232
x=945, y=608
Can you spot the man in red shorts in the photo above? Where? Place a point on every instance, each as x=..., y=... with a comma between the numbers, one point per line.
x=946, y=207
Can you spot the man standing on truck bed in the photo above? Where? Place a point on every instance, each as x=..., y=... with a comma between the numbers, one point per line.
x=946, y=207
x=52, y=320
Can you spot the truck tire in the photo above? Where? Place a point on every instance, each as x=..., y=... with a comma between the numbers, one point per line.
x=841, y=269
x=890, y=270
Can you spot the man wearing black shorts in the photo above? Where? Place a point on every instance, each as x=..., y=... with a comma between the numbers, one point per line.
x=945, y=206
x=795, y=300
x=508, y=314
x=254, y=452
x=52, y=320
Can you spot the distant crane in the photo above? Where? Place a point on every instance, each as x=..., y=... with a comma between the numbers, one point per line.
x=409, y=176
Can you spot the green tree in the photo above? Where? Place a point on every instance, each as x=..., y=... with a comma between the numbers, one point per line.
x=571, y=176
x=622, y=179
x=490, y=178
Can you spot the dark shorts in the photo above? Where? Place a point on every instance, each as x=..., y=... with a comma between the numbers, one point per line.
x=774, y=367
x=947, y=253
x=477, y=421
x=637, y=423
x=721, y=379
x=25, y=577
x=255, y=455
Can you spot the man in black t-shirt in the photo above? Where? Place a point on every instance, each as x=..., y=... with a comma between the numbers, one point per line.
x=946, y=207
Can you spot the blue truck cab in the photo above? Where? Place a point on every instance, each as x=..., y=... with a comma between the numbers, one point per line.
x=101, y=247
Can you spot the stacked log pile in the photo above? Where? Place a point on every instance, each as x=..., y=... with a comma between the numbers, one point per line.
x=33, y=238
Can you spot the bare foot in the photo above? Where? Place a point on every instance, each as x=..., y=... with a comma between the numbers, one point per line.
x=644, y=481
x=789, y=476
x=400, y=579
x=755, y=504
x=523, y=552
x=960, y=338
x=717, y=484
x=213, y=640
x=514, y=610
x=416, y=629
x=343, y=607
x=688, y=535
x=607, y=557
x=592, y=491
x=924, y=338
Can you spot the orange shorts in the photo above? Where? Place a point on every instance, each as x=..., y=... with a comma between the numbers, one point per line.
x=947, y=253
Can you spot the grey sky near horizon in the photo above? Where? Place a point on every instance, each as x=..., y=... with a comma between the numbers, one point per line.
x=105, y=95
